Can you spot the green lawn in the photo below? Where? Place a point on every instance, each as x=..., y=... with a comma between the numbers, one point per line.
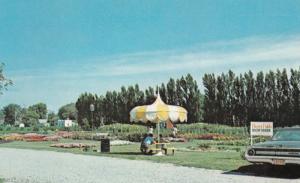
x=216, y=155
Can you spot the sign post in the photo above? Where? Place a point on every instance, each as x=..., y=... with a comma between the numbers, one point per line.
x=261, y=129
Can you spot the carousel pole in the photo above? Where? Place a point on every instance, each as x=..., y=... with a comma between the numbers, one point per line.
x=158, y=138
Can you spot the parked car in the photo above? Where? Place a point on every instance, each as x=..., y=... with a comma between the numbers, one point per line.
x=284, y=148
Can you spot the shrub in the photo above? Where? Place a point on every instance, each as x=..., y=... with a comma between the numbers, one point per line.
x=203, y=128
x=82, y=135
x=205, y=146
x=35, y=128
x=135, y=137
x=8, y=128
x=85, y=124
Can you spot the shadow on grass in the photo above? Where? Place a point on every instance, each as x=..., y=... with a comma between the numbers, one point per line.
x=271, y=171
x=5, y=141
x=128, y=153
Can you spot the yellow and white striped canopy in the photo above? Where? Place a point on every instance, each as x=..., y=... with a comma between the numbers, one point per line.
x=158, y=112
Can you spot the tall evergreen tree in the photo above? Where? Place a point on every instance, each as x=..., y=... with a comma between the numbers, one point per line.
x=238, y=102
x=229, y=102
x=192, y=99
x=163, y=92
x=140, y=96
x=283, y=88
x=171, y=92
x=150, y=95
x=250, y=97
x=122, y=102
x=270, y=98
x=83, y=107
x=295, y=95
x=221, y=98
x=209, y=83
x=179, y=92
x=260, y=108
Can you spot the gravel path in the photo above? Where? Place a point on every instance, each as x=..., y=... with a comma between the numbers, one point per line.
x=24, y=166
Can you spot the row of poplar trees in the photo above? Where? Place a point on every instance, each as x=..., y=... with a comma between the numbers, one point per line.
x=115, y=106
x=238, y=99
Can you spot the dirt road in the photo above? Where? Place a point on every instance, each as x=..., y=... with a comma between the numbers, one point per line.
x=52, y=167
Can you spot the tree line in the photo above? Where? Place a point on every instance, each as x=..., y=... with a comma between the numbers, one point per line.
x=14, y=114
x=229, y=98
x=238, y=99
x=115, y=106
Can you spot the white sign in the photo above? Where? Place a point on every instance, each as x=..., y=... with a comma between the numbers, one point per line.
x=261, y=129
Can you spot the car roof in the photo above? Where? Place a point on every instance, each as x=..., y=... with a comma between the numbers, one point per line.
x=289, y=129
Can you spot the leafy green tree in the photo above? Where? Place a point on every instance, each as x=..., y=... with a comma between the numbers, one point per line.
x=40, y=109
x=68, y=111
x=11, y=113
x=52, y=118
x=2, y=116
x=85, y=124
x=4, y=82
x=30, y=118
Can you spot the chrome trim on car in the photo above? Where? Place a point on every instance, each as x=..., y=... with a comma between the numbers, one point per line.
x=270, y=153
x=270, y=159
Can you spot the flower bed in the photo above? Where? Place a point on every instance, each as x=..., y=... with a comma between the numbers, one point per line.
x=29, y=137
x=209, y=136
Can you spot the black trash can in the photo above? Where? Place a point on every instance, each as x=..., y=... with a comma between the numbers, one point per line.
x=105, y=145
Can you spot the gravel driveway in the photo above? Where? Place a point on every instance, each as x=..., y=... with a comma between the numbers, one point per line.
x=52, y=167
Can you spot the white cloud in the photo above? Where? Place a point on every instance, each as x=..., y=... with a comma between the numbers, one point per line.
x=237, y=53
x=240, y=53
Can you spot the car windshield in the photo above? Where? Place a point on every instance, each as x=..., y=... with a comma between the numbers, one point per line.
x=287, y=135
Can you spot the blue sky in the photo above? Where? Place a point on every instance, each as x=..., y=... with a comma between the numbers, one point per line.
x=55, y=50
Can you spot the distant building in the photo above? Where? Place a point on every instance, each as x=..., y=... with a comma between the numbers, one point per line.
x=43, y=122
x=21, y=125
x=65, y=123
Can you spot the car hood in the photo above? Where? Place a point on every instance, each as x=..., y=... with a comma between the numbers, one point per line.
x=278, y=144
